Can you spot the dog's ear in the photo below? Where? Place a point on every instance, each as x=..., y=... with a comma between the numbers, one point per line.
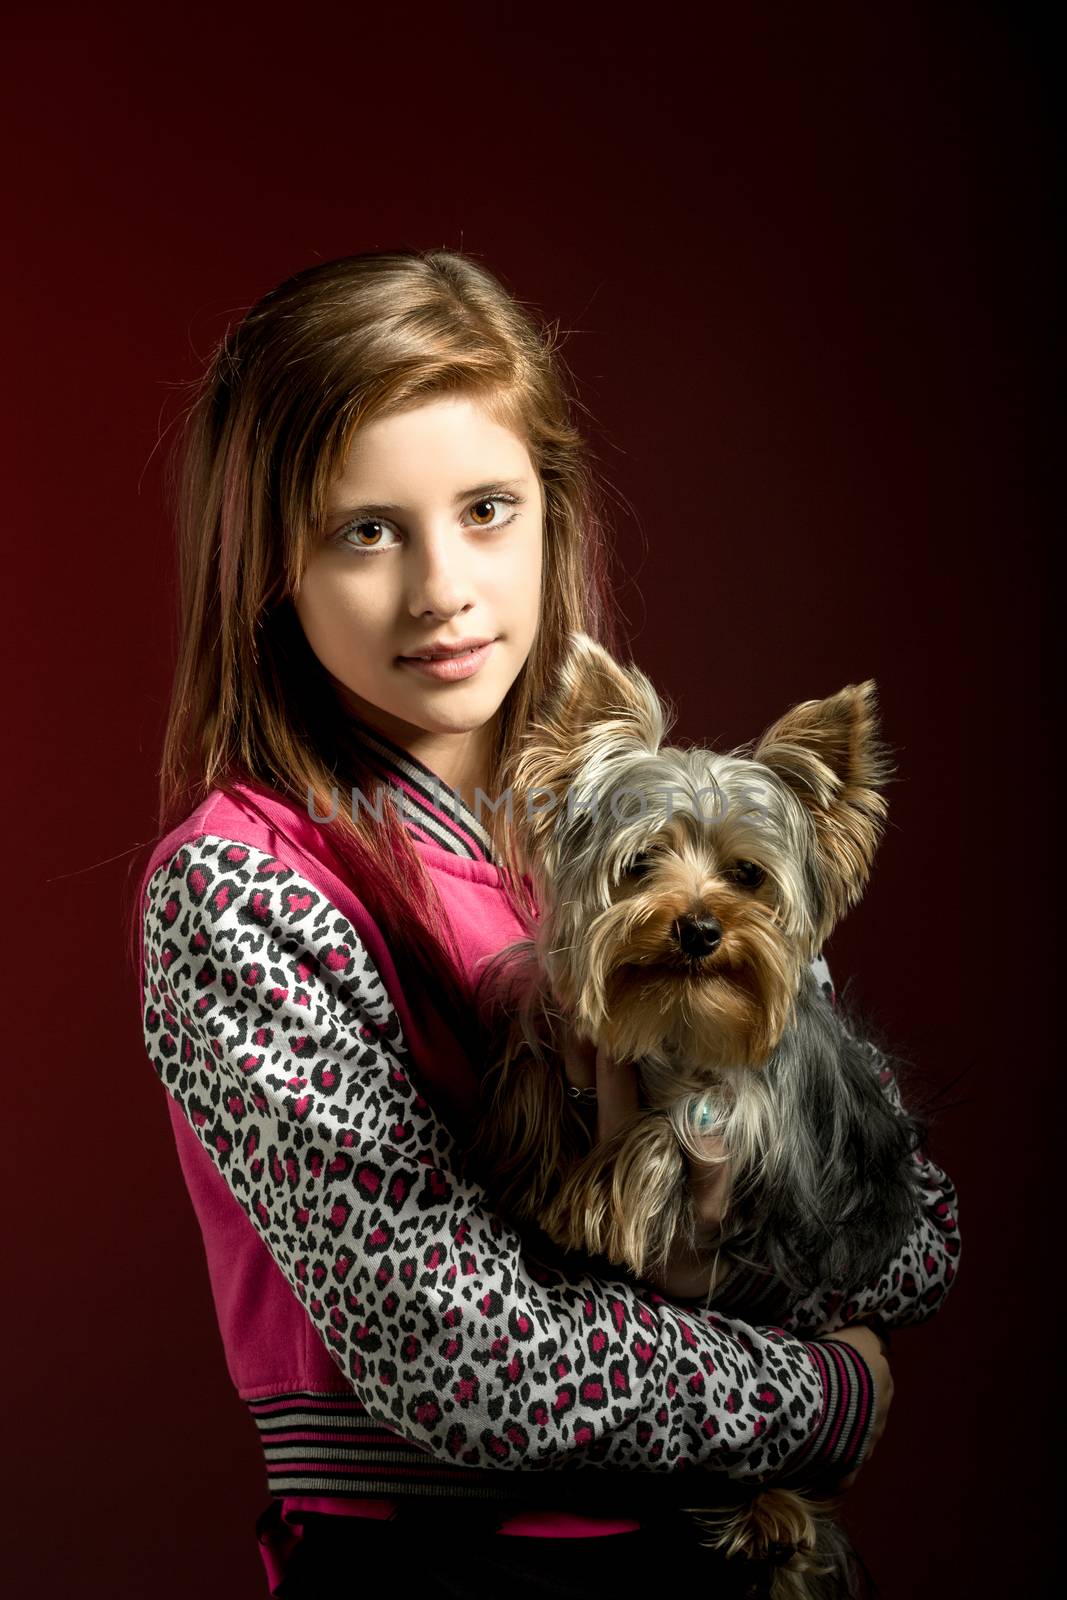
x=592, y=689
x=596, y=705
x=829, y=754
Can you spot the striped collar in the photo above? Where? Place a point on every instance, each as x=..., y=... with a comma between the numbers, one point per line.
x=429, y=808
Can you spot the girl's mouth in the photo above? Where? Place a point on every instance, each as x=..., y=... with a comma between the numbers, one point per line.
x=449, y=669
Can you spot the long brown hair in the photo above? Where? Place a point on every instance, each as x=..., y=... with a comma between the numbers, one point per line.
x=333, y=347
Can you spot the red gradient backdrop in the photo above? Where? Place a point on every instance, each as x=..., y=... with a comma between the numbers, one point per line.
x=804, y=254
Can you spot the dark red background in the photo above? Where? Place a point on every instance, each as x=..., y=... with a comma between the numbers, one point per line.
x=805, y=258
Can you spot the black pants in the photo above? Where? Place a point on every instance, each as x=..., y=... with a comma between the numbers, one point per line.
x=455, y=1552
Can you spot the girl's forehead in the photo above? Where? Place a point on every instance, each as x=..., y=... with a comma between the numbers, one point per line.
x=445, y=447
x=444, y=422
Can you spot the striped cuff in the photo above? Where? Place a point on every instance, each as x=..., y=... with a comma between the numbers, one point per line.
x=840, y=1439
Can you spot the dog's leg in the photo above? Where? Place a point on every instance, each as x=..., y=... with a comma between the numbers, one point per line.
x=527, y=1136
x=627, y=1200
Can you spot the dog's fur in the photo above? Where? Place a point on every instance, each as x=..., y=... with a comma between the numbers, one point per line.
x=678, y=934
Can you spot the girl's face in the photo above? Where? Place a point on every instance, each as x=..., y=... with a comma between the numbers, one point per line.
x=433, y=536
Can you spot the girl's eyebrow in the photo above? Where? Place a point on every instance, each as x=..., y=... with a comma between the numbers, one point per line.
x=384, y=509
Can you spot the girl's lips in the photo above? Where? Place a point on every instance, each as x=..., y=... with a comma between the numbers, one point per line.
x=450, y=669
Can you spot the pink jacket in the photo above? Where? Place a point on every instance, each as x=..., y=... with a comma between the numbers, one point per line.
x=384, y=1327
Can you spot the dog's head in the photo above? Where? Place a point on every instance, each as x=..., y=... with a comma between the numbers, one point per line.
x=681, y=890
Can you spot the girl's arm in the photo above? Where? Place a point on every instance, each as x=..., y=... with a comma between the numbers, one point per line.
x=269, y=1025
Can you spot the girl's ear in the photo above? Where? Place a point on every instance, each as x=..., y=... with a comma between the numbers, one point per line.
x=595, y=707
x=829, y=754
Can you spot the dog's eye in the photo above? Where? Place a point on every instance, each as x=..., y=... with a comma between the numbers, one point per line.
x=746, y=874
x=642, y=862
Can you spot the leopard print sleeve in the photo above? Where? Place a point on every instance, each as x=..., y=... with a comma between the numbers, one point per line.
x=267, y=1022
x=917, y=1279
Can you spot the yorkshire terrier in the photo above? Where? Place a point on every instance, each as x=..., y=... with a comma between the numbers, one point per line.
x=682, y=897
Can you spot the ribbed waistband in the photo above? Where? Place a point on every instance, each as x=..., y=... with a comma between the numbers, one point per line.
x=327, y=1444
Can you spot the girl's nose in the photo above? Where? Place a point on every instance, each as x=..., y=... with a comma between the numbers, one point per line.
x=440, y=579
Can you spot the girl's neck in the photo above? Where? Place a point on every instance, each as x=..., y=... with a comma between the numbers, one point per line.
x=460, y=760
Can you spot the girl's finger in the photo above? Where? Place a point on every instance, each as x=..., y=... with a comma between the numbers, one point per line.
x=707, y=1184
x=579, y=1061
x=617, y=1094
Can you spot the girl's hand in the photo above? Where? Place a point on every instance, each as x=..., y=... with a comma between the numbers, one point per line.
x=874, y=1349
x=686, y=1275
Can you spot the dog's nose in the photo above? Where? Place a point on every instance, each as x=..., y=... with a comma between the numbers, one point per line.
x=698, y=936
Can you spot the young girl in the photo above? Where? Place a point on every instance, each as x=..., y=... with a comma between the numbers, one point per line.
x=388, y=529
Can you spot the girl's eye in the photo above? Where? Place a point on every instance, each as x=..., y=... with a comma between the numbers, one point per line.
x=488, y=502
x=746, y=874
x=343, y=535
x=355, y=528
